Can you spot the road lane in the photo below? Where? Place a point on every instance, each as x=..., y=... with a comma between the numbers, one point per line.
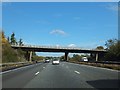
x=18, y=78
x=56, y=76
x=93, y=73
x=65, y=75
x=96, y=76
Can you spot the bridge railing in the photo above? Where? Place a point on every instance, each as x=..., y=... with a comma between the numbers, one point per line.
x=36, y=46
x=54, y=47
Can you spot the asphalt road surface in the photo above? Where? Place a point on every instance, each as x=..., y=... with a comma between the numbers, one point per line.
x=64, y=75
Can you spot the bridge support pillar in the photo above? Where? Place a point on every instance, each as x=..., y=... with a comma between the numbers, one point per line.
x=96, y=56
x=30, y=56
x=66, y=56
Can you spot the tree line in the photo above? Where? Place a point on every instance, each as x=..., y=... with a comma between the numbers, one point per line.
x=14, y=55
x=9, y=54
x=112, y=48
x=12, y=40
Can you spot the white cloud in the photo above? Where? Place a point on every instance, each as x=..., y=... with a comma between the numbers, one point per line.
x=71, y=45
x=58, y=31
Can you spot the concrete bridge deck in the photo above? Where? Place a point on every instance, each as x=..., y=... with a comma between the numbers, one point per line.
x=56, y=49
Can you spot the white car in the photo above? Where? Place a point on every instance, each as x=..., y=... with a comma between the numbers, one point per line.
x=47, y=61
x=85, y=59
x=54, y=62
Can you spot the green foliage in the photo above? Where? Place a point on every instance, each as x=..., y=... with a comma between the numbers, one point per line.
x=110, y=43
x=62, y=58
x=20, y=42
x=13, y=39
x=37, y=58
x=8, y=39
x=76, y=57
x=100, y=48
x=113, y=50
x=3, y=37
x=9, y=54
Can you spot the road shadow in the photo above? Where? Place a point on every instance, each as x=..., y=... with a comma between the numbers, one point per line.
x=104, y=83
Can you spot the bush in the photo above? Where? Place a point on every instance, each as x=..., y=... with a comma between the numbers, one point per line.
x=113, y=51
x=11, y=55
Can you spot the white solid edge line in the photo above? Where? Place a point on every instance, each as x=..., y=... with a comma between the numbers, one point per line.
x=97, y=67
x=101, y=68
x=16, y=69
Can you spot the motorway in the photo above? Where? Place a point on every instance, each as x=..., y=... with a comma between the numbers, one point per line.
x=64, y=75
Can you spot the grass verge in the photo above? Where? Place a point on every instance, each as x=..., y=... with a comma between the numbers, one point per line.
x=110, y=66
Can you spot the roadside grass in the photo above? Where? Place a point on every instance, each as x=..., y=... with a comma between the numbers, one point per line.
x=110, y=66
x=11, y=58
x=8, y=66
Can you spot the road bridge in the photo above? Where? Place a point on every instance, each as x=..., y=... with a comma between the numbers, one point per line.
x=66, y=50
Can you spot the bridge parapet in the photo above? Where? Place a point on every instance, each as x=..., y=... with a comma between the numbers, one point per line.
x=56, y=47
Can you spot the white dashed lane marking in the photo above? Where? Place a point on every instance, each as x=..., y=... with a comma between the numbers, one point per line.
x=77, y=72
x=37, y=73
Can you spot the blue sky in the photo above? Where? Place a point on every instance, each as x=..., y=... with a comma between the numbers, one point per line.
x=75, y=24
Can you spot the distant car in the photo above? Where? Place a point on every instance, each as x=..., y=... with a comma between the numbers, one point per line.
x=85, y=59
x=47, y=61
x=55, y=62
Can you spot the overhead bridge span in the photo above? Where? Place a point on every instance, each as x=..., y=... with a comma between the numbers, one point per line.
x=66, y=50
